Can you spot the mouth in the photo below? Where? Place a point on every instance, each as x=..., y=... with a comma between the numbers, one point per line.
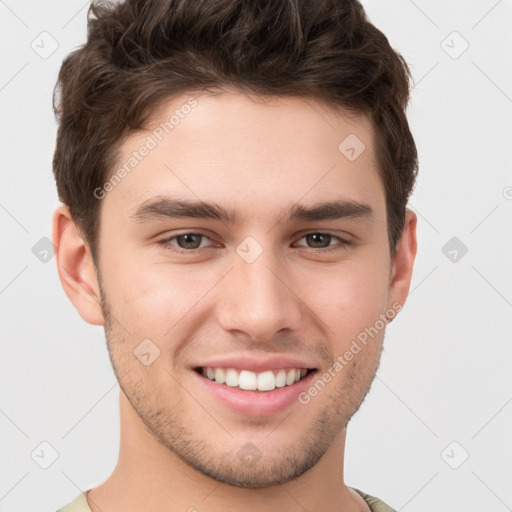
x=259, y=382
x=254, y=386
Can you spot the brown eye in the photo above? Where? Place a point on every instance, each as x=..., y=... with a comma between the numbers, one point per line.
x=189, y=240
x=185, y=242
x=319, y=240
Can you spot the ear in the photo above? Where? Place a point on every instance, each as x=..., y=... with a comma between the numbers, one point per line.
x=403, y=262
x=76, y=268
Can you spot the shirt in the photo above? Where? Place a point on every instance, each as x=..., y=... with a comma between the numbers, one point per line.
x=79, y=504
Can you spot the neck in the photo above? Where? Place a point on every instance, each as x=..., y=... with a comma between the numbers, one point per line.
x=148, y=476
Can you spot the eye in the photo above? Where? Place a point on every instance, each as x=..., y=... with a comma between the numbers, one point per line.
x=321, y=240
x=187, y=242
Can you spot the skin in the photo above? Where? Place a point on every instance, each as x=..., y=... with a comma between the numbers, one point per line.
x=179, y=446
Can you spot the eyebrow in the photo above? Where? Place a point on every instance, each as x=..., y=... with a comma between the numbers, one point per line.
x=161, y=207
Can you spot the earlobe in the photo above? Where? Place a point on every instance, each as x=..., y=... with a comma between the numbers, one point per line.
x=403, y=262
x=75, y=267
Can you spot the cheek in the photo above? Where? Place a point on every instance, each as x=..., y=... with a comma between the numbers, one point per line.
x=349, y=300
x=151, y=299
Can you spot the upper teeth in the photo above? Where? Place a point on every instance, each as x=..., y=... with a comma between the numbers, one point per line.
x=245, y=379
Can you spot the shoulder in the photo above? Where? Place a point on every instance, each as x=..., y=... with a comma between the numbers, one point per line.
x=79, y=504
x=374, y=503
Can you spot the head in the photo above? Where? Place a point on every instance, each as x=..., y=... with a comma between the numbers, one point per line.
x=284, y=123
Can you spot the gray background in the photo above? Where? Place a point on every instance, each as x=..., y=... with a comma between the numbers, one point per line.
x=443, y=392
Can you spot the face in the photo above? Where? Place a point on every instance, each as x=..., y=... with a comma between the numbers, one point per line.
x=263, y=281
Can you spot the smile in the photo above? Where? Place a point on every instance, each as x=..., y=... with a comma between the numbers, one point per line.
x=254, y=381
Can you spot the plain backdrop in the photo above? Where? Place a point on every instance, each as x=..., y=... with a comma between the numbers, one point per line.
x=434, y=434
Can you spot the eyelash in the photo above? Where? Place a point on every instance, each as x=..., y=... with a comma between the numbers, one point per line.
x=166, y=243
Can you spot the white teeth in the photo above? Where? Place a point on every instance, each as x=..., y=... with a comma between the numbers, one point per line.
x=220, y=376
x=247, y=380
x=251, y=381
x=231, y=377
x=266, y=381
x=280, y=379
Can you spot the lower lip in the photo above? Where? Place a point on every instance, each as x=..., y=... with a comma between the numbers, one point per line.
x=256, y=403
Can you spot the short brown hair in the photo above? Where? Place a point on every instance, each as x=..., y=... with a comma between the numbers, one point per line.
x=141, y=53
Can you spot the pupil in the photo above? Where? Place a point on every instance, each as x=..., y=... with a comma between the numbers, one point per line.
x=188, y=236
x=316, y=235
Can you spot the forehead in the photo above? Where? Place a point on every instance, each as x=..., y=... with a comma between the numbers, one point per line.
x=259, y=153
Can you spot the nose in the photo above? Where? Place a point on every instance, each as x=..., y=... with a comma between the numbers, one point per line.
x=259, y=298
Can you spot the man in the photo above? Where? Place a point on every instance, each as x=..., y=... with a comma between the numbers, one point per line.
x=234, y=179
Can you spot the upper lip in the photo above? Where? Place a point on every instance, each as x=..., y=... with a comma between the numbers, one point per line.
x=256, y=364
